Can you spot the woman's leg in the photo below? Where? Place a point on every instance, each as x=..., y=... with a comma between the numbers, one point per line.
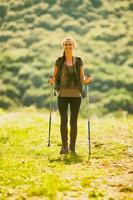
x=63, y=107
x=74, y=108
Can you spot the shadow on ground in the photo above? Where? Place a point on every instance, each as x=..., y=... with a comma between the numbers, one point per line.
x=68, y=159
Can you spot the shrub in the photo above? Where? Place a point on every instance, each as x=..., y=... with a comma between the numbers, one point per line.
x=3, y=11
x=25, y=72
x=41, y=8
x=96, y=3
x=119, y=101
x=4, y=37
x=34, y=96
x=131, y=6
x=37, y=79
x=10, y=91
x=6, y=102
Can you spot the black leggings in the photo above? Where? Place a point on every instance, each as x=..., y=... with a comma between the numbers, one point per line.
x=74, y=109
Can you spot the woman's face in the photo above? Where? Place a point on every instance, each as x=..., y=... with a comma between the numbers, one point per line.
x=68, y=46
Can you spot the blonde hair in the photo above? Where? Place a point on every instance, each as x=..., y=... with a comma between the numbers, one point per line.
x=68, y=39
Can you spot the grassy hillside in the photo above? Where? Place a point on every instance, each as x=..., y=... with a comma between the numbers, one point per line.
x=31, y=33
x=31, y=170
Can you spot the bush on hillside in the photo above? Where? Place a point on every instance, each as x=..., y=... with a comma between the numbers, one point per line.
x=131, y=6
x=96, y=96
x=96, y=3
x=41, y=8
x=37, y=78
x=34, y=96
x=29, y=18
x=119, y=102
x=5, y=36
x=6, y=102
x=72, y=25
x=9, y=91
x=46, y=20
x=17, y=43
x=118, y=99
x=3, y=11
x=25, y=72
x=12, y=26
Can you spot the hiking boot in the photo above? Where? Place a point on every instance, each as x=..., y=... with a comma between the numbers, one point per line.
x=72, y=150
x=64, y=150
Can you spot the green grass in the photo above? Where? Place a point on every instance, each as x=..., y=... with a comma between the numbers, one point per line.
x=31, y=170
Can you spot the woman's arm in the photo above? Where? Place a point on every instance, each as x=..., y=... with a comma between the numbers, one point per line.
x=52, y=79
x=55, y=71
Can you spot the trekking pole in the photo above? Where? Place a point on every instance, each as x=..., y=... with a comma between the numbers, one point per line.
x=50, y=115
x=88, y=117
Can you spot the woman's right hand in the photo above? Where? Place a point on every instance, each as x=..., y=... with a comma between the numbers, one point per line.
x=87, y=80
x=51, y=80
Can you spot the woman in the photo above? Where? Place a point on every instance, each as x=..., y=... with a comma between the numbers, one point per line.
x=68, y=77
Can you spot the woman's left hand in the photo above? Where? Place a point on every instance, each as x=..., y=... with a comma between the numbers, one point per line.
x=87, y=80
